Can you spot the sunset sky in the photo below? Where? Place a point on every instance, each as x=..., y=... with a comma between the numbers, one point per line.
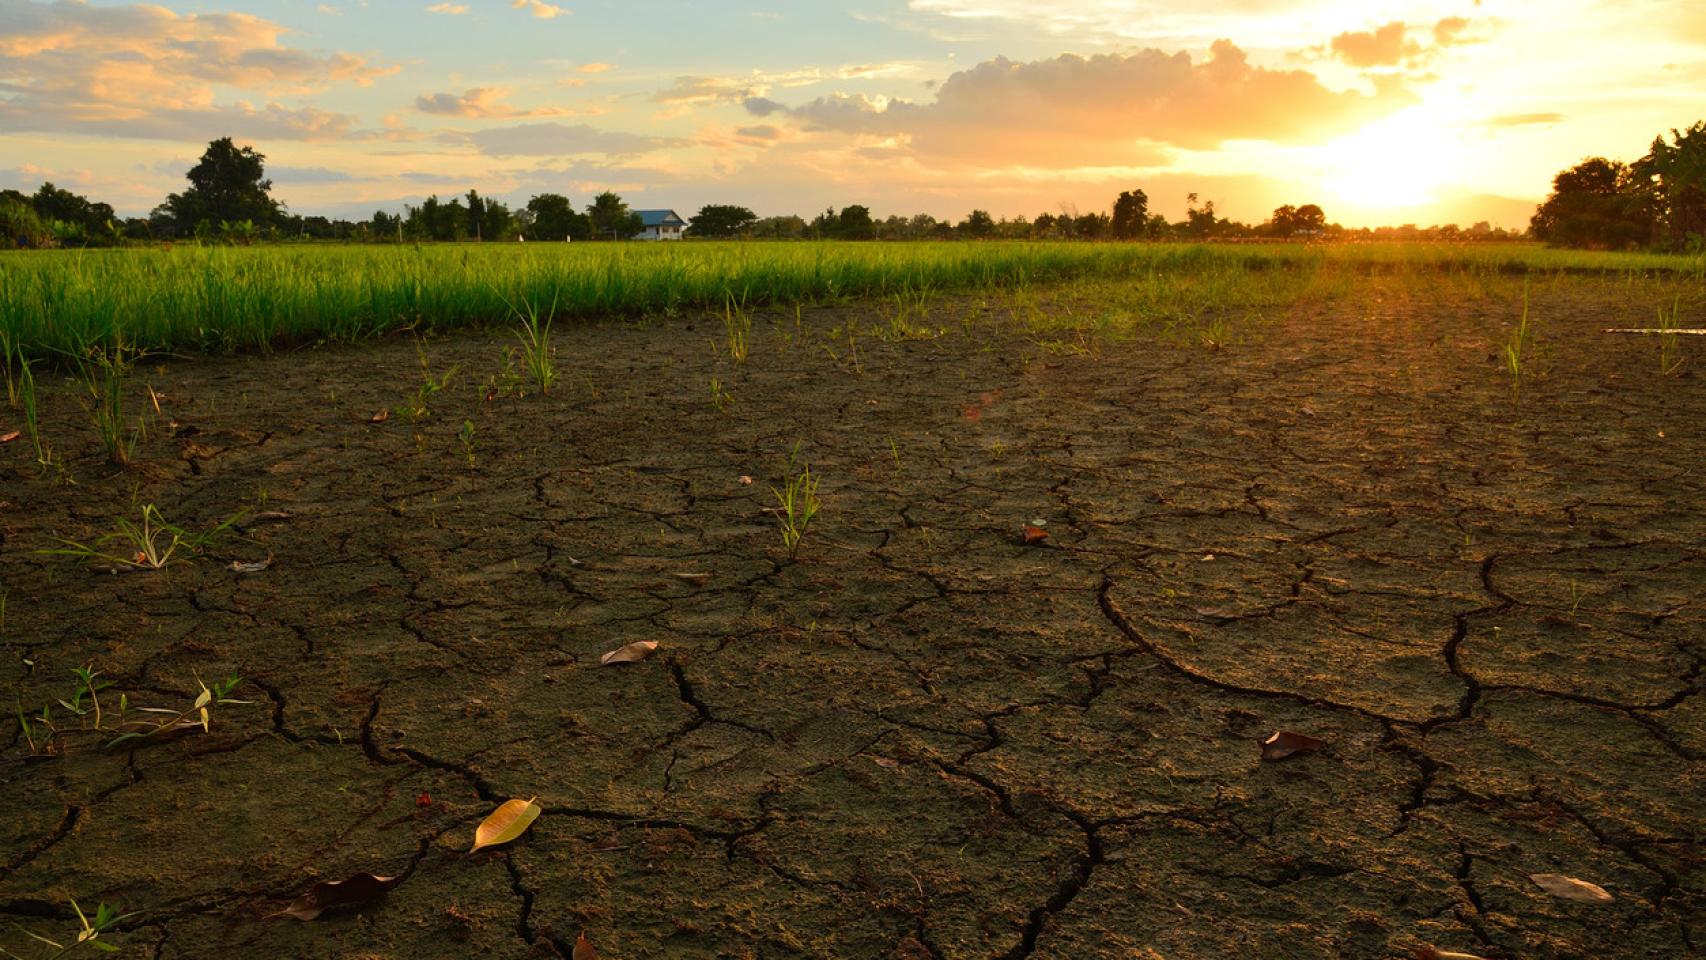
x=1382, y=112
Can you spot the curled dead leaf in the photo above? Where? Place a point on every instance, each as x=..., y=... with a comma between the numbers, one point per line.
x=1034, y=535
x=1435, y=953
x=380, y=417
x=1569, y=888
x=270, y=516
x=9, y=437
x=251, y=566
x=584, y=950
x=506, y=823
x=745, y=481
x=1284, y=744
x=630, y=653
x=338, y=893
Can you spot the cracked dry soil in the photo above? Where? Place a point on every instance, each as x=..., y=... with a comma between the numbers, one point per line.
x=924, y=738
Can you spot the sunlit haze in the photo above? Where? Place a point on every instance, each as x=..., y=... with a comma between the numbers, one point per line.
x=1381, y=112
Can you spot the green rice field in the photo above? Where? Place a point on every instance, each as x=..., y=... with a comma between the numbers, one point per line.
x=219, y=299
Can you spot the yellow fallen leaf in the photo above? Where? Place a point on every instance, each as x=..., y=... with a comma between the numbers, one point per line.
x=631, y=653
x=506, y=823
x=1569, y=888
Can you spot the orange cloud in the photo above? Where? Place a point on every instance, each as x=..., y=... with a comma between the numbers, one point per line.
x=479, y=103
x=1108, y=110
x=146, y=71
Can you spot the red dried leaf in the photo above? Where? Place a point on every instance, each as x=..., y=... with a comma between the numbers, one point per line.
x=584, y=950
x=9, y=437
x=338, y=893
x=1287, y=744
x=1034, y=535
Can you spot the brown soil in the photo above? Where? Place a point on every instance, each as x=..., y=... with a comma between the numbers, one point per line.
x=923, y=738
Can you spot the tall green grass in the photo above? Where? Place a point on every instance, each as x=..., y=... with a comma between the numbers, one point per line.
x=221, y=298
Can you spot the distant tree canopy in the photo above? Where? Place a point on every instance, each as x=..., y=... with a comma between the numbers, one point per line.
x=721, y=220
x=978, y=225
x=227, y=186
x=1659, y=199
x=556, y=219
x=1290, y=221
x=1131, y=215
x=1596, y=203
x=611, y=217
x=1676, y=173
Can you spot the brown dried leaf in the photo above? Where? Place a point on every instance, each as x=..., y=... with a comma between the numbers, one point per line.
x=251, y=566
x=1035, y=534
x=584, y=950
x=270, y=516
x=1435, y=953
x=9, y=437
x=1569, y=888
x=630, y=653
x=1286, y=744
x=338, y=893
x=506, y=823
x=380, y=417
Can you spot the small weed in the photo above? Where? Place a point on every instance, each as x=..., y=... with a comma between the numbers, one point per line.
x=466, y=436
x=104, y=373
x=165, y=721
x=152, y=544
x=421, y=404
x=508, y=381
x=799, y=504
x=538, y=354
x=88, y=933
x=11, y=358
x=1670, y=353
x=720, y=397
x=737, y=325
x=1519, y=347
x=32, y=425
x=894, y=451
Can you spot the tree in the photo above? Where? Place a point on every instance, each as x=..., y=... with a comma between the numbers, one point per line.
x=1597, y=203
x=1676, y=174
x=228, y=185
x=855, y=223
x=1289, y=221
x=1200, y=221
x=476, y=216
x=1131, y=215
x=556, y=219
x=978, y=225
x=52, y=203
x=611, y=217
x=780, y=228
x=498, y=223
x=20, y=225
x=721, y=220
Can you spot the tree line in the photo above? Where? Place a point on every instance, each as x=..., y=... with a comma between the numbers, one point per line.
x=1658, y=201
x=229, y=199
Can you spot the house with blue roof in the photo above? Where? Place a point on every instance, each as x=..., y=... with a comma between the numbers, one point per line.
x=660, y=225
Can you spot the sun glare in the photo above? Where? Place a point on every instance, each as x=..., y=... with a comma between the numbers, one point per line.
x=1402, y=161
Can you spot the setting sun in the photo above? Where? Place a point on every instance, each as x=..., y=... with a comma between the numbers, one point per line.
x=1401, y=161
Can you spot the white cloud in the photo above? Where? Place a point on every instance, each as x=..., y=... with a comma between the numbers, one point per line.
x=540, y=9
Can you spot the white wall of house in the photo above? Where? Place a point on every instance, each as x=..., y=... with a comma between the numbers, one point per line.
x=666, y=232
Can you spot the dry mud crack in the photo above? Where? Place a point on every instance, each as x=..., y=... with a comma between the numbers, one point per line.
x=923, y=738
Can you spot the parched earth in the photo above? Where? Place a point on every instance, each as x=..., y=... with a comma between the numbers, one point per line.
x=923, y=737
